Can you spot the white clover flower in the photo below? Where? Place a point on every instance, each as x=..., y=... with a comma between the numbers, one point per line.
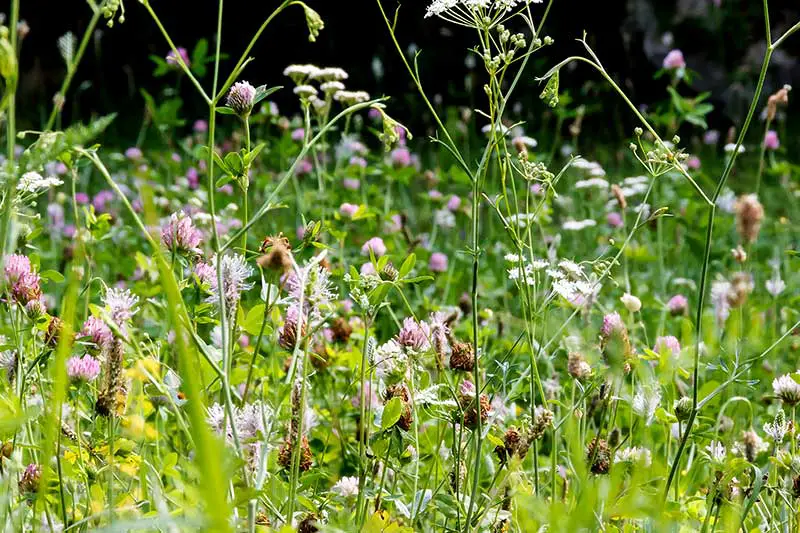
x=346, y=487
x=716, y=452
x=444, y=218
x=514, y=258
x=778, y=428
x=390, y=360
x=776, y=285
x=730, y=147
x=787, y=389
x=634, y=455
x=34, y=183
x=645, y=403
x=577, y=225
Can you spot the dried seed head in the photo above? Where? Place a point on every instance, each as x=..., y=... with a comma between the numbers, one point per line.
x=308, y=524
x=389, y=272
x=749, y=215
x=341, y=330
x=285, y=454
x=577, y=366
x=780, y=98
x=599, y=455
x=462, y=357
x=277, y=254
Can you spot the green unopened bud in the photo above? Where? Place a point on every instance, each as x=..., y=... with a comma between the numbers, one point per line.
x=550, y=92
x=683, y=408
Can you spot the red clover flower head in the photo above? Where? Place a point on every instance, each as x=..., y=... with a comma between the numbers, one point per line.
x=83, y=369
x=241, y=98
x=181, y=234
x=414, y=335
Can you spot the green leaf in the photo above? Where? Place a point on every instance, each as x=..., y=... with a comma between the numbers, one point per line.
x=262, y=92
x=391, y=413
x=223, y=110
x=407, y=265
x=234, y=163
x=224, y=180
x=252, y=323
x=52, y=275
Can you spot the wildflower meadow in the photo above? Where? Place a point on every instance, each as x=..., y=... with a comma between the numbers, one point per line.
x=316, y=317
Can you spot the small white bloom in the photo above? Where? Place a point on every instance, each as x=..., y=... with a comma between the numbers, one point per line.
x=645, y=403
x=787, y=389
x=346, y=487
x=33, y=183
x=730, y=147
x=577, y=225
x=716, y=451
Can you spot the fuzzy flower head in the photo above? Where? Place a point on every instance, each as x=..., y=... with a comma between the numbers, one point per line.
x=787, y=389
x=83, y=369
x=241, y=98
x=174, y=60
x=235, y=272
x=16, y=266
x=376, y=245
x=414, y=336
x=674, y=60
x=645, y=402
x=120, y=304
x=98, y=331
x=346, y=487
x=716, y=452
x=668, y=344
x=438, y=262
x=771, y=141
x=777, y=429
x=391, y=362
x=180, y=234
x=677, y=305
x=612, y=323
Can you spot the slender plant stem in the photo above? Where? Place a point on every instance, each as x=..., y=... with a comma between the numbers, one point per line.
x=72, y=68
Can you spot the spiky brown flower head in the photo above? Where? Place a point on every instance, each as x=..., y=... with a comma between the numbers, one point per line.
x=749, y=215
x=512, y=441
x=615, y=343
x=599, y=456
x=503, y=525
x=29, y=481
x=308, y=524
x=682, y=408
x=341, y=330
x=462, y=357
x=457, y=479
x=740, y=289
x=780, y=98
x=285, y=454
x=6, y=449
x=241, y=98
x=619, y=194
x=389, y=272
x=113, y=398
x=262, y=519
x=465, y=304
x=542, y=419
x=277, y=254
x=53, y=333
x=400, y=391
x=466, y=397
x=577, y=366
x=320, y=357
x=287, y=338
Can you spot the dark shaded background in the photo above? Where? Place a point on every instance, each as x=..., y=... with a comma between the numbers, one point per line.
x=723, y=44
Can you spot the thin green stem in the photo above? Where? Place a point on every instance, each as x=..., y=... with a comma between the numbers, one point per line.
x=71, y=69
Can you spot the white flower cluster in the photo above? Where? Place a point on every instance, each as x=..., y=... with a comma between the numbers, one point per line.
x=441, y=8
x=578, y=225
x=34, y=183
x=330, y=83
x=591, y=168
x=634, y=455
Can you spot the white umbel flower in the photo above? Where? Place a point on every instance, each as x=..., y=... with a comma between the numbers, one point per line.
x=34, y=183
